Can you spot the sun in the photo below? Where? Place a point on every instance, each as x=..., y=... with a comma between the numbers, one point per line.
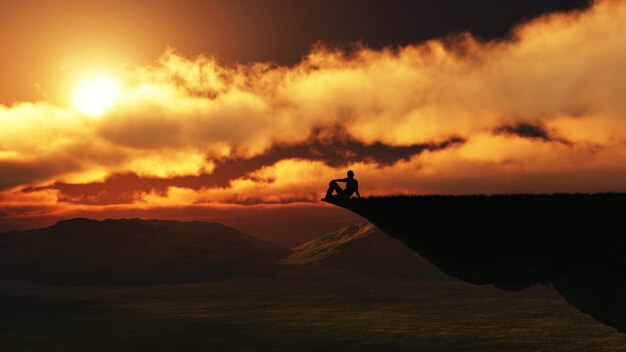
x=95, y=95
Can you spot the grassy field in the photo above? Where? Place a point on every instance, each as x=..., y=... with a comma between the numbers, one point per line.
x=296, y=312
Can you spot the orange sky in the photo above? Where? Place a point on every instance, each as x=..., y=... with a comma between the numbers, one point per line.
x=539, y=112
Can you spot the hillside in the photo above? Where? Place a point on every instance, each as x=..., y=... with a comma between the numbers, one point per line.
x=83, y=251
x=362, y=248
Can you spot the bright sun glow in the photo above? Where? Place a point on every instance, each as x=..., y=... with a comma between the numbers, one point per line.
x=95, y=95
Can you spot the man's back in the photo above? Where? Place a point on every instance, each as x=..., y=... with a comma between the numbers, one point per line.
x=352, y=185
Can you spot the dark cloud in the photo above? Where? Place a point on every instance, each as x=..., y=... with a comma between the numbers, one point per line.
x=334, y=147
x=531, y=131
x=26, y=209
x=17, y=172
x=524, y=130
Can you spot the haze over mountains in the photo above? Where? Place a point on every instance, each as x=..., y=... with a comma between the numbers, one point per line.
x=134, y=251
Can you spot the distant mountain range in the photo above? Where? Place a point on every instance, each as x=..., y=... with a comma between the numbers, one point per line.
x=134, y=251
x=362, y=248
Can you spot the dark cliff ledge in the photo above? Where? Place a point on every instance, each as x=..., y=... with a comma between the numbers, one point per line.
x=576, y=242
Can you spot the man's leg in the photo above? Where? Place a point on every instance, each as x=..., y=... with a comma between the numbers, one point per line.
x=333, y=186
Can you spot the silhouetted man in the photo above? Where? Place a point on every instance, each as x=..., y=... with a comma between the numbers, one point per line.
x=352, y=186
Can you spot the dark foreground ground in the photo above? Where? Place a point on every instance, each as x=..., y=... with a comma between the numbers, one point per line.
x=296, y=312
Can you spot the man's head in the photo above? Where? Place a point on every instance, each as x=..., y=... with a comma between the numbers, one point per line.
x=350, y=173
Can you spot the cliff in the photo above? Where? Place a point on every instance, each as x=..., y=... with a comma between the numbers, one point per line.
x=572, y=241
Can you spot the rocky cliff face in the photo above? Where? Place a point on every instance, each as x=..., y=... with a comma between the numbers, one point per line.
x=574, y=242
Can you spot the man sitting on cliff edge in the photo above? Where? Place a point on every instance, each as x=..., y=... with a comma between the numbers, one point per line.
x=352, y=186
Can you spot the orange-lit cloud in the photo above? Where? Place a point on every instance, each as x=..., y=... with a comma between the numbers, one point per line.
x=540, y=112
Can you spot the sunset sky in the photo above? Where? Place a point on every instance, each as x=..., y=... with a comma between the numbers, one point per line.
x=240, y=112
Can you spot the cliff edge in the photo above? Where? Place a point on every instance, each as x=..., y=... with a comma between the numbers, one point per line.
x=575, y=242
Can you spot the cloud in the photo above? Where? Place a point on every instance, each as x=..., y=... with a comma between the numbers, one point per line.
x=451, y=116
x=333, y=147
x=531, y=131
x=525, y=130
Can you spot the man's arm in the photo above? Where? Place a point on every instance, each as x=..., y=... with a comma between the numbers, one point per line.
x=357, y=193
x=341, y=180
